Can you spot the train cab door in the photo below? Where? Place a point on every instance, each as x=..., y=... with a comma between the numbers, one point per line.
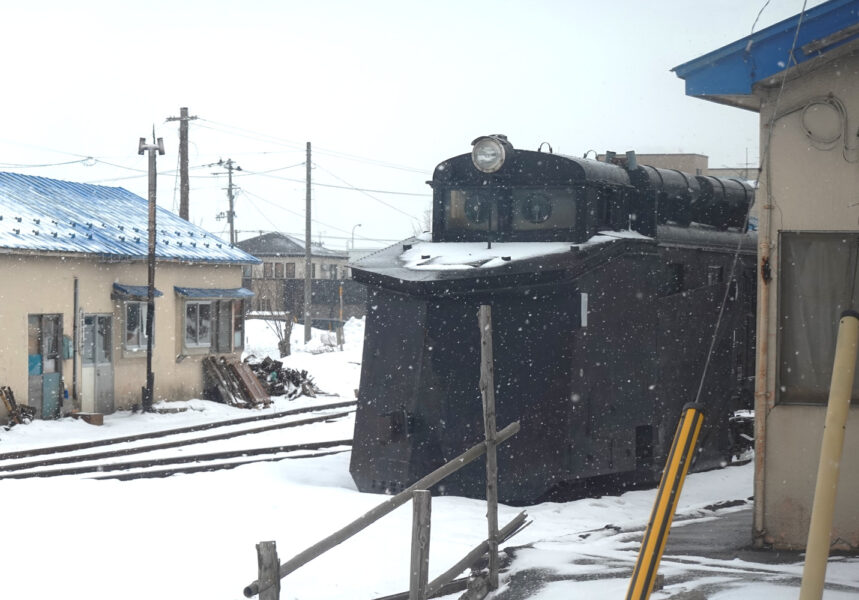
x=97, y=364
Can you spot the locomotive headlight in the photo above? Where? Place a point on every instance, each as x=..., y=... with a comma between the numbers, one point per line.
x=490, y=152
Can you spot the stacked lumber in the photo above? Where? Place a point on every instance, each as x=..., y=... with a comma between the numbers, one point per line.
x=17, y=414
x=232, y=382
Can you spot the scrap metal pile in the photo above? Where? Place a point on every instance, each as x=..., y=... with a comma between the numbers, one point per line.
x=282, y=381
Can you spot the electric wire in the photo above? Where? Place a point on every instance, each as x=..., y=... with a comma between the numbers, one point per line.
x=38, y=166
x=233, y=130
x=352, y=187
x=760, y=12
x=764, y=160
x=298, y=214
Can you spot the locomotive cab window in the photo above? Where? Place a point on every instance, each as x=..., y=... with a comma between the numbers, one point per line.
x=541, y=209
x=510, y=214
x=472, y=210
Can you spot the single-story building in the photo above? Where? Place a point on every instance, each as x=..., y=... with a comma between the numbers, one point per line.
x=800, y=75
x=73, y=300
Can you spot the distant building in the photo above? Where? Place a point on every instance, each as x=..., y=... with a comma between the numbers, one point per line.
x=73, y=262
x=278, y=281
x=697, y=164
x=800, y=76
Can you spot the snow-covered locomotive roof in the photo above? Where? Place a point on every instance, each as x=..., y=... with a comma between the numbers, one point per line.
x=437, y=256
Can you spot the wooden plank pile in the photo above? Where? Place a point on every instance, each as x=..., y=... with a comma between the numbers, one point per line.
x=232, y=382
x=18, y=414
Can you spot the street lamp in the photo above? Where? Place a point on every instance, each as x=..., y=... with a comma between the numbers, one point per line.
x=353, y=235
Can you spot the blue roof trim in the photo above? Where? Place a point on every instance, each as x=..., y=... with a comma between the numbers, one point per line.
x=735, y=68
x=214, y=293
x=132, y=292
x=49, y=215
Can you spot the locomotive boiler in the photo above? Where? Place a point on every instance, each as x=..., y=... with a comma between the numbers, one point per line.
x=619, y=293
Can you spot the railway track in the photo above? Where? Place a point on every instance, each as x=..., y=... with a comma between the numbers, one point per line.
x=103, y=464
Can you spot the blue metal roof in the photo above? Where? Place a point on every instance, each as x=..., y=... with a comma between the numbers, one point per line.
x=121, y=290
x=48, y=215
x=733, y=69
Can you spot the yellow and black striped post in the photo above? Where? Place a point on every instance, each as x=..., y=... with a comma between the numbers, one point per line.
x=676, y=467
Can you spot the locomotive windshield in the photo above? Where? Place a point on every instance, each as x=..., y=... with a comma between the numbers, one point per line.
x=510, y=213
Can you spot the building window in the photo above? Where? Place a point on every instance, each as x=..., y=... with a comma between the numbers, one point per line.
x=290, y=270
x=135, y=326
x=278, y=270
x=313, y=270
x=816, y=277
x=267, y=270
x=198, y=324
x=247, y=271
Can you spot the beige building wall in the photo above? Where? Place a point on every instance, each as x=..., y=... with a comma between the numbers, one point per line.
x=813, y=187
x=36, y=284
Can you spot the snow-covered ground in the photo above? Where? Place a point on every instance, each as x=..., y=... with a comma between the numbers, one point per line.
x=193, y=536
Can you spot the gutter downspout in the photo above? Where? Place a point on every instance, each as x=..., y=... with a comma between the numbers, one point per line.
x=763, y=398
x=75, y=344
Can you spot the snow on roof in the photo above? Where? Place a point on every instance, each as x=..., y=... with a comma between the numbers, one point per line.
x=440, y=256
x=49, y=215
x=280, y=244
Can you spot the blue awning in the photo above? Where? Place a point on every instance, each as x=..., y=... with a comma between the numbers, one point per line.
x=122, y=291
x=214, y=293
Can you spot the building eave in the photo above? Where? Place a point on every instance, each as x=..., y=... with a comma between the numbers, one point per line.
x=729, y=74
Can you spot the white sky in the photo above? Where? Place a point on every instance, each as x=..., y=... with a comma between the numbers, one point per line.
x=384, y=90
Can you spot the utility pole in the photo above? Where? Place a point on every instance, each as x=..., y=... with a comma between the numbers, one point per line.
x=155, y=146
x=307, y=264
x=230, y=166
x=184, y=185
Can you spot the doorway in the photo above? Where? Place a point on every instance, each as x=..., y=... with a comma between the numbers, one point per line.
x=97, y=364
x=45, y=364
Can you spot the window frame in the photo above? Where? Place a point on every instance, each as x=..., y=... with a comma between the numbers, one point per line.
x=196, y=344
x=142, y=308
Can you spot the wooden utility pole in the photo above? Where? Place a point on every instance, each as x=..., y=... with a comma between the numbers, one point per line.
x=184, y=184
x=230, y=166
x=487, y=389
x=155, y=146
x=307, y=263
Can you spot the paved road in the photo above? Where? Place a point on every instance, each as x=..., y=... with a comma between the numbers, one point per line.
x=704, y=556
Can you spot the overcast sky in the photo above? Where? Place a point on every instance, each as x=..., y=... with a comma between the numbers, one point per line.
x=383, y=90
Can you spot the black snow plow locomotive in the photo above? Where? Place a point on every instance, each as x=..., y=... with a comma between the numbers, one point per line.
x=607, y=281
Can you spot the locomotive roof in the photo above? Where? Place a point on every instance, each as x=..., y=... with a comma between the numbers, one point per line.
x=542, y=167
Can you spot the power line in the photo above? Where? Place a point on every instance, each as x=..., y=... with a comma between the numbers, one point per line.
x=283, y=208
x=232, y=130
x=352, y=187
x=60, y=164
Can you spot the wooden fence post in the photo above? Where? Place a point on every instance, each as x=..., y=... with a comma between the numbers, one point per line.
x=269, y=571
x=421, y=512
x=487, y=388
